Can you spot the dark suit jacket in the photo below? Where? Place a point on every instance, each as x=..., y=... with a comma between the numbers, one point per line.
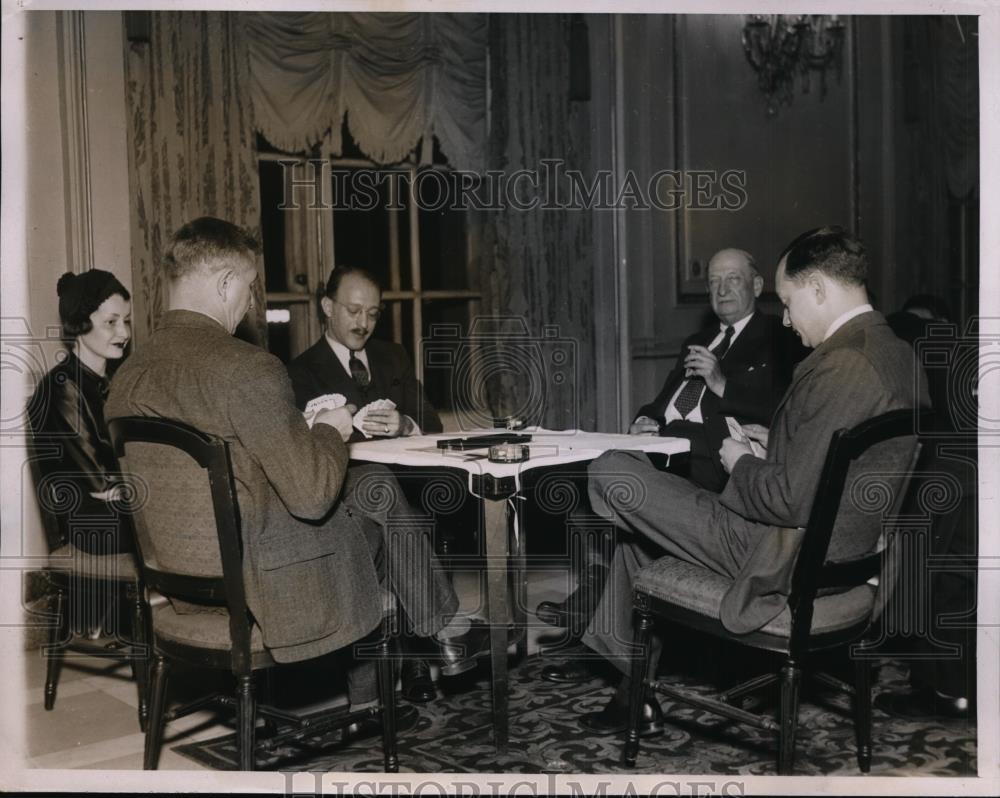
x=310, y=580
x=861, y=371
x=317, y=372
x=757, y=368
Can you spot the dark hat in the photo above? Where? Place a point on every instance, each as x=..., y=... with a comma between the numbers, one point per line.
x=81, y=294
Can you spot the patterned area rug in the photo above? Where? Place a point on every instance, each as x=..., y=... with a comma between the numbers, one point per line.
x=454, y=735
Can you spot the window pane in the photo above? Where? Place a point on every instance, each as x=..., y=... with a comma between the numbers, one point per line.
x=451, y=316
x=272, y=226
x=360, y=225
x=279, y=340
x=403, y=222
x=385, y=329
x=443, y=248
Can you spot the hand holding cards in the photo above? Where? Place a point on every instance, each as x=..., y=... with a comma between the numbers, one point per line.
x=362, y=415
x=737, y=433
x=330, y=401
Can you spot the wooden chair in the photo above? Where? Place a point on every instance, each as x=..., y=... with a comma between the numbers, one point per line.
x=831, y=604
x=75, y=574
x=79, y=581
x=223, y=634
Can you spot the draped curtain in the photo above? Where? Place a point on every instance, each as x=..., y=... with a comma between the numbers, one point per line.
x=191, y=147
x=958, y=76
x=539, y=263
x=938, y=152
x=400, y=78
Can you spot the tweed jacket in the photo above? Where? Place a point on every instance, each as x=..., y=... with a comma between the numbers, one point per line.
x=317, y=372
x=310, y=580
x=861, y=371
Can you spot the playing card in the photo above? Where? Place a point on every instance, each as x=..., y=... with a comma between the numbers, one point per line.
x=330, y=401
x=362, y=414
x=736, y=433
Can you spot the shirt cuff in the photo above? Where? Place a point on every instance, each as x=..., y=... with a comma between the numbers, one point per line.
x=415, y=429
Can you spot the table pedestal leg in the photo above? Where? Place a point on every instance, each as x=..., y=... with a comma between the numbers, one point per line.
x=495, y=527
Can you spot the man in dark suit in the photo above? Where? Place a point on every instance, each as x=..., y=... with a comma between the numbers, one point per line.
x=739, y=367
x=313, y=535
x=751, y=531
x=348, y=361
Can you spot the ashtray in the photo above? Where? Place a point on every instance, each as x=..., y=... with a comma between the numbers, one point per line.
x=508, y=453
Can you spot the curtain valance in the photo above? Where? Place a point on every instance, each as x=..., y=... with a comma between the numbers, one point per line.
x=398, y=77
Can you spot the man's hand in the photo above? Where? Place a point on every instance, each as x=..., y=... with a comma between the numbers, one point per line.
x=644, y=425
x=757, y=432
x=701, y=362
x=387, y=423
x=340, y=418
x=731, y=451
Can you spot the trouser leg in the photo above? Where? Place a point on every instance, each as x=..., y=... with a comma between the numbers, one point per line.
x=659, y=514
x=611, y=629
x=411, y=568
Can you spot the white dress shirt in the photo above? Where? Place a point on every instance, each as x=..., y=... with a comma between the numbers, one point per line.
x=343, y=355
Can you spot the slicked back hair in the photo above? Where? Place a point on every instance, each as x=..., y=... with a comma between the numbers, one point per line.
x=208, y=243
x=829, y=250
x=340, y=272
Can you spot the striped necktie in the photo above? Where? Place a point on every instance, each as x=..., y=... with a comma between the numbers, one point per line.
x=359, y=372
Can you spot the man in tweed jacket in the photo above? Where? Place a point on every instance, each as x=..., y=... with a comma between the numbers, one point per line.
x=751, y=532
x=312, y=533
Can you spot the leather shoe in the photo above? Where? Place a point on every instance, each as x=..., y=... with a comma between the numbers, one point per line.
x=416, y=681
x=578, y=608
x=458, y=654
x=613, y=719
x=567, y=673
x=406, y=718
x=923, y=703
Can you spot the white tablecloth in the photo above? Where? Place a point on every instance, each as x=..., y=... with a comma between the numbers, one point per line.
x=547, y=448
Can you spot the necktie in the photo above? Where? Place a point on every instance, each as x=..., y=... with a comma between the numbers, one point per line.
x=359, y=372
x=690, y=395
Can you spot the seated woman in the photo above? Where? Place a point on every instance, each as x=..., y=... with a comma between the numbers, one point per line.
x=76, y=465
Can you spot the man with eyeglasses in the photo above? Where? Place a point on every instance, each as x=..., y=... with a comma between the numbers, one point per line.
x=348, y=361
x=738, y=366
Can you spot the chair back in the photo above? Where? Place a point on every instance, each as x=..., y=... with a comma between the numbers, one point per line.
x=186, y=516
x=874, y=461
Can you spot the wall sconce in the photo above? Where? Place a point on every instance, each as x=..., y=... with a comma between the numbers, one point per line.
x=781, y=47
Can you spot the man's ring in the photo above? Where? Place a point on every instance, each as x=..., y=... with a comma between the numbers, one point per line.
x=386, y=427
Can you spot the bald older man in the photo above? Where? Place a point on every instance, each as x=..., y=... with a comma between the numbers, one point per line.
x=751, y=532
x=739, y=366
